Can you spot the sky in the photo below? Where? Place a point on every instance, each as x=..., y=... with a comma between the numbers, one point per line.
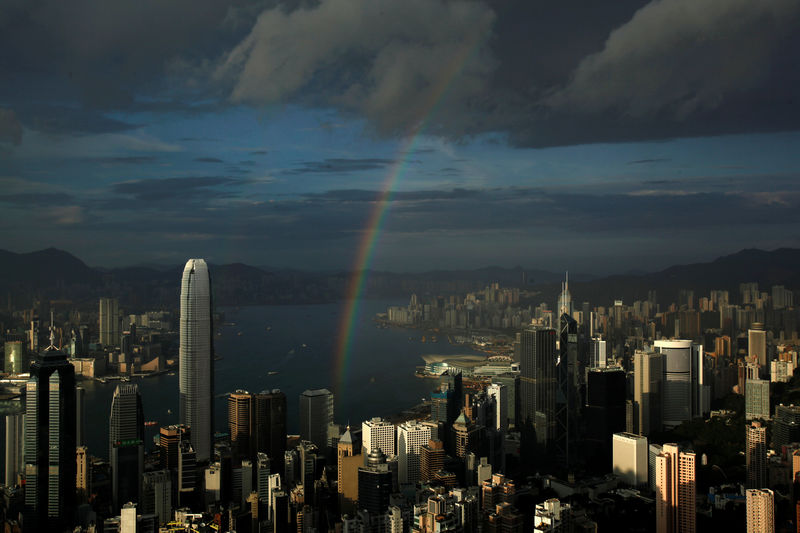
x=599, y=137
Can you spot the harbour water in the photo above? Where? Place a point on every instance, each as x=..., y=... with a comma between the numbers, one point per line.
x=291, y=348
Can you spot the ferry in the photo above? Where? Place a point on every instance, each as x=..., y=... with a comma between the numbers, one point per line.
x=239, y=334
x=272, y=373
x=269, y=328
x=150, y=423
x=422, y=339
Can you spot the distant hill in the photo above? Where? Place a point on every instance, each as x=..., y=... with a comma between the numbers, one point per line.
x=55, y=274
x=778, y=267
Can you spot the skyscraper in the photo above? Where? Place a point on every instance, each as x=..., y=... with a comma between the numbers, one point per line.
x=630, y=458
x=14, y=447
x=757, y=344
x=378, y=433
x=316, y=414
x=756, y=399
x=756, y=455
x=411, y=437
x=499, y=393
x=682, y=386
x=268, y=433
x=760, y=511
x=126, y=444
x=49, y=449
x=374, y=483
x=675, y=490
x=196, y=357
x=109, y=322
x=14, y=357
x=604, y=412
x=648, y=375
x=240, y=422
x=538, y=381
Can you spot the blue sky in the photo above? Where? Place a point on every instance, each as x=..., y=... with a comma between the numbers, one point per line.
x=234, y=135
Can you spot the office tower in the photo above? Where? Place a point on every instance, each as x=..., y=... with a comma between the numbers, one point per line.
x=431, y=460
x=675, y=490
x=786, y=428
x=756, y=455
x=511, y=383
x=263, y=472
x=378, y=433
x=682, y=378
x=126, y=444
x=83, y=475
x=605, y=412
x=80, y=416
x=49, y=449
x=240, y=422
x=756, y=399
x=196, y=357
x=15, y=432
x=568, y=399
x=109, y=322
x=316, y=414
x=448, y=399
x=468, y=436
x=248, y=474
x=598, y=355
x=499, y=393
x=760, y=511
x=170, y=438
x=564, y=305
x=14, y=357
x=647, y=391
x=157, y=494
x=538, y=382
x=348, y=460
x=757, y=344
x=269, y=426
x=630, y=461
x=411, y=437
x=374, y=483
x=187, y=471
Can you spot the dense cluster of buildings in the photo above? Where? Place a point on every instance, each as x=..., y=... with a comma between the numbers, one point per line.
x=577, y=430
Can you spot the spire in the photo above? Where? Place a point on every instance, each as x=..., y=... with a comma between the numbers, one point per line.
x=52, y=331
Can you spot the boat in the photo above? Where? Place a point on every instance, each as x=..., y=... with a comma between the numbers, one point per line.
x=269, y=328
x=169, y=411
x=272, y=373
x=304, y=345
x=239, y=334
x=150, y=423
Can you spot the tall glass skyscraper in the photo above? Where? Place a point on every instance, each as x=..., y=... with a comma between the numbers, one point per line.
x=126, y=445
x=196, y=357
x=49, y=449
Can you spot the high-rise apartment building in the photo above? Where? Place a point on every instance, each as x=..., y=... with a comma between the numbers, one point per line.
x=648, y=374
x=316, y=414
x=760, y=510
x=109, y=322
x=126, y=444
x=49, y=449
x=196, y=357
x=756, y=399
x=411, y=437
x=675, y=490
x=756, y=455
x=757, y=344
x=630, y=461
x=380, y=434
x=538, y=382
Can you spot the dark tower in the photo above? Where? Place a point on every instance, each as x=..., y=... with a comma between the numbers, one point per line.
x=538, y=382
x=126, y=445
x=567, y=396
x=49, y=449
x=269, y=426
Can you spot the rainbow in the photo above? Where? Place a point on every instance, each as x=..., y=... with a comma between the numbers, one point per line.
x=370, y=237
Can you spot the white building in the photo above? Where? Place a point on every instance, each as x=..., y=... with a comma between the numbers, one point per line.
x=630, y=461
x=378, y=433
x=499, y=393
x=411, y=437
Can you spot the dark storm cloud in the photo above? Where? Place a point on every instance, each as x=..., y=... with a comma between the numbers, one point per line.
x=58, y=119
x=36, y=199
x=208, y=160
x=10, y=127
x=546, y=75
x=175, y=188
x=538, y=73
x=644, y=161
x=338, y=165
x=127, y=160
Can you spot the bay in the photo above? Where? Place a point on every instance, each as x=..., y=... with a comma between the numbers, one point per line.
x=380, y=378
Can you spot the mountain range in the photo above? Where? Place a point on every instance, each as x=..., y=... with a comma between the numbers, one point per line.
x=54, y=274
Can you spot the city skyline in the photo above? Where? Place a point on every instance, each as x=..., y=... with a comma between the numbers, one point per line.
x=514, y=131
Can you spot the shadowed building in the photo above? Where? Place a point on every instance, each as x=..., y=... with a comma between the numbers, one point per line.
x=126, y=445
